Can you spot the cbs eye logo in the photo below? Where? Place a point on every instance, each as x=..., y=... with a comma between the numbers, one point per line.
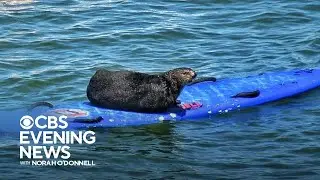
x=26, y=122
x=44, y=122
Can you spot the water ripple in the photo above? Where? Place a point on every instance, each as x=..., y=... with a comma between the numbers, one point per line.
x=49, y=50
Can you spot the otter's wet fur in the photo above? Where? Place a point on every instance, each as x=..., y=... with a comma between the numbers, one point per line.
x=139, y=92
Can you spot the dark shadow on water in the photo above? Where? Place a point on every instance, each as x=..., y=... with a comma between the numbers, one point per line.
x=165, y=128
x=137, y=140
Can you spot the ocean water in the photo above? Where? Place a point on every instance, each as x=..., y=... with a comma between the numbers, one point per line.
x=50, y=49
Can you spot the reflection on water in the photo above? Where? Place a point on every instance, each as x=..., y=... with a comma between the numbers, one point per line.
x=14, y=5
x=15, y=2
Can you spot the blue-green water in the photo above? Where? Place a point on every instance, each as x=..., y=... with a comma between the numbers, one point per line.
x=50, y=49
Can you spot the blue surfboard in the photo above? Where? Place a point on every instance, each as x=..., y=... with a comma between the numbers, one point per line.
x=210, y=98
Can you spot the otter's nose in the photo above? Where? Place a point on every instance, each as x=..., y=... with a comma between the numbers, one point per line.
x=194, y=75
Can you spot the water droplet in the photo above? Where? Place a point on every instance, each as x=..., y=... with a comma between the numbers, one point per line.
x=173, y=115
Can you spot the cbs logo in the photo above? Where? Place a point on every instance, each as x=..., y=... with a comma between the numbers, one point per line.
x=43, y=122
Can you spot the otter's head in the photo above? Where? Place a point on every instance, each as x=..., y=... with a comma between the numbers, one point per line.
x=182, y=76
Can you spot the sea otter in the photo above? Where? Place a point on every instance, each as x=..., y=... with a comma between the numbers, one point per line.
x=139, y=92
